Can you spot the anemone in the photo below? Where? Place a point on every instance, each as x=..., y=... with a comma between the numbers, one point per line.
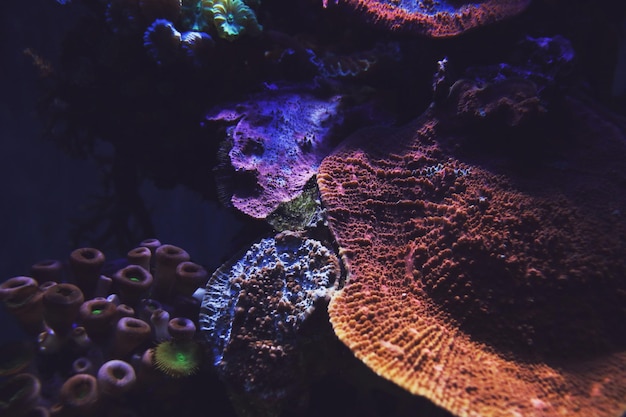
x=233, y=18
x=177, y=359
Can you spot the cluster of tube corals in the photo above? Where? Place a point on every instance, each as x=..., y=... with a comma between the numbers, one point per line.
x=181, y=27
x=99, y=332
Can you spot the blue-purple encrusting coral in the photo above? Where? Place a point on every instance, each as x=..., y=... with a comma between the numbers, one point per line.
x=278, y=138
x=196, y=46
x=254, y=307
x=162, y=41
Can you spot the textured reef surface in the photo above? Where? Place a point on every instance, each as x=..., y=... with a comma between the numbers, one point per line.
x=429, y=198
x=486, y=286
x=436, y=18
x=254, y=308
x=276, y=142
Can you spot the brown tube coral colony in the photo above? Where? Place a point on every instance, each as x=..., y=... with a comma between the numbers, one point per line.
x=98, y=334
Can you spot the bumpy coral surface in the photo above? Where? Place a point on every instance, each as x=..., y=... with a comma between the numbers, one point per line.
x=255, y=306
x=100, y=340
x=278, y=141
x=436, y=18
x=491, y=280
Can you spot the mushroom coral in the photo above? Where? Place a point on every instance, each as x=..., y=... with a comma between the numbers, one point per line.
x=489, y=289
x=436, y=18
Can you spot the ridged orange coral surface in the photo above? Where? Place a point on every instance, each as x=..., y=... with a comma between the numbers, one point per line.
x=436, y=18
x=491, y=288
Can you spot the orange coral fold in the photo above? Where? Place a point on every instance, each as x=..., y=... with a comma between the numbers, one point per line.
x=490, y=289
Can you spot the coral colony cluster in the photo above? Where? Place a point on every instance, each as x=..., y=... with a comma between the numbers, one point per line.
x=101, y=338
x=255, y=307
x=473, y=254
x=228, y=19
x=100, y=335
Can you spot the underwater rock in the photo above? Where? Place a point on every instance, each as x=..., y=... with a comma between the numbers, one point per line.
x=254, y=308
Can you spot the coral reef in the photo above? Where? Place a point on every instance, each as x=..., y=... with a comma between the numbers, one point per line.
x=486, y=267
x=483, y=240
x=94, y=330
x=232, y=18
x=276, y=141
x=120, y=343
x=436, y=18
x=255, y=308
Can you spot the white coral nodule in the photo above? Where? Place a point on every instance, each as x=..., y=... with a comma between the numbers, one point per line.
x=234, y=17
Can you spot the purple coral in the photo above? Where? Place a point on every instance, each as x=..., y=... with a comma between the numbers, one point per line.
x=278, y=140
x=254, y=308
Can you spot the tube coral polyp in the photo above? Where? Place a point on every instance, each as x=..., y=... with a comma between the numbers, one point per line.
x=232, y=18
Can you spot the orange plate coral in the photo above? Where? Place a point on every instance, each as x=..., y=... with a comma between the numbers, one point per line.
x=491, y=290
x=436, y=18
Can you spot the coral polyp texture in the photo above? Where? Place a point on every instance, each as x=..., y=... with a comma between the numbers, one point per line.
x=436, y=18
x=277, y=140
x=256, y=305
x=491, y=289
x=101, y=337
